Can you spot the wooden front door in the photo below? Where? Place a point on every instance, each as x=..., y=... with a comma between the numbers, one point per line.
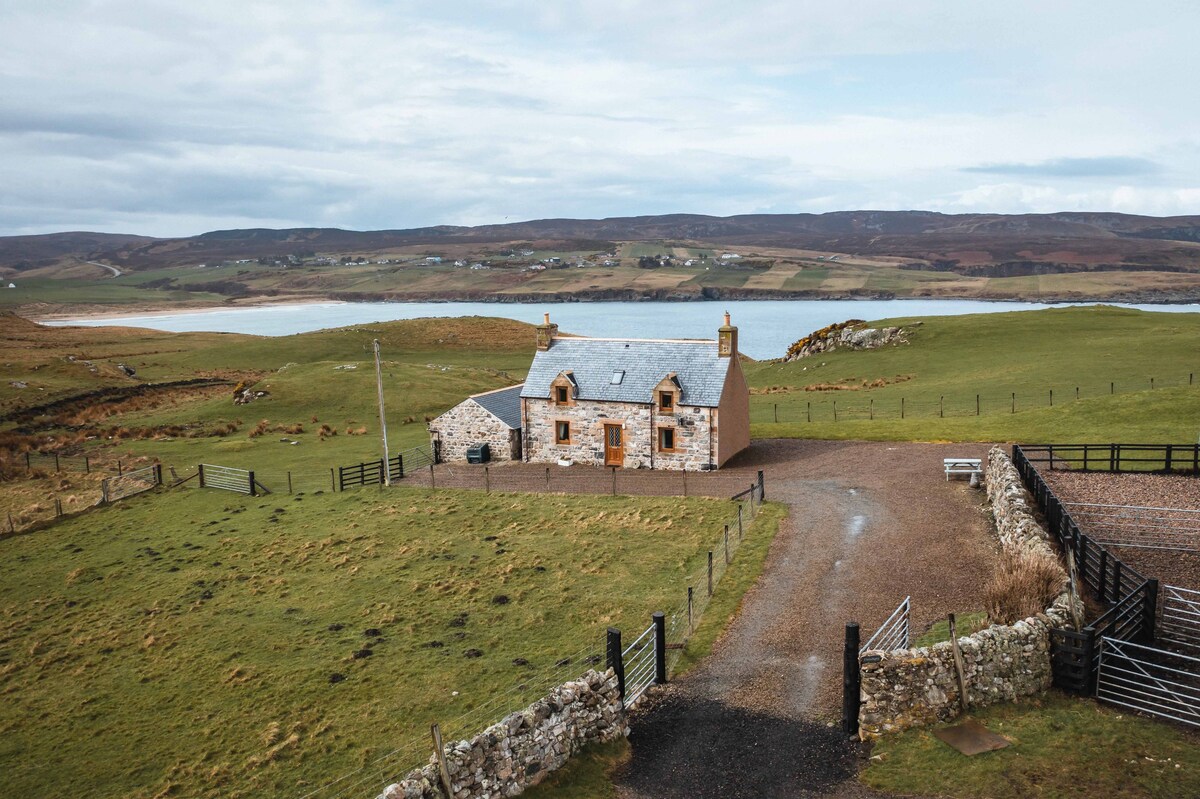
x=614, y=445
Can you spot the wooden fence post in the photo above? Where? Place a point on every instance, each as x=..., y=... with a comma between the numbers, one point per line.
x=1112, y=388
x=976, y=404
x=432, y=477
x=1149, y=611
x=614, y=482
x=762, y=487
x=739, y=521
x=28, y=464
x=810, y=410
x=547, y=478
x=942, y=407
x=87, y=465
x=777, y=413
x=12, y=528
x=487, y=481
x=57, y=507
x=56, y=462
x=439, y=752
x=727, y=545
x=835, y=410
x=1014, y=402
x=158, y=477
x=332, y=480
x=614, y=658
x=902, y=407
x=289, y=481
x=660, y=647
x=710, y=572
x=871, y=408
x=958, y=666
x=200, y=472
x=253, y=490
x=1051, y=398
x=851, y=681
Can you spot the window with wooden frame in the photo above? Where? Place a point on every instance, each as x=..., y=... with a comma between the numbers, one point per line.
x=666, y=439
x=562, y=432
x=562, y=395
x=666, y=401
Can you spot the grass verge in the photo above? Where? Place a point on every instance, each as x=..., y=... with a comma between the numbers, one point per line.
x=1063, y=747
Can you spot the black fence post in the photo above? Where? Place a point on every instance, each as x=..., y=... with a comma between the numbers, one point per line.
x=727, y=545
x=487, y=481
x=902, y=407
x=740, y=533
x=200, y=471
x=400, y=466
x=1149, y=611
x=691, y=624
x=28, y=465
x=1014, y=403
x=614, y=659
x=332, y=480
x=289, y=475
x=660, y=647
x=710, y=572
x=1089, y=661
x=253, y=490
x=1102, y=579
x=762, y=487
x=851, y=681
x=158, y=478
x=87, y=465
x=810, y=410
x=56, y=462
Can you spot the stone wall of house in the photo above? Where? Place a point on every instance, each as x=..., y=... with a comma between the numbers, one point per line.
x=467, y=424
x=694, y=446
x=521, y=749
x=911, y=687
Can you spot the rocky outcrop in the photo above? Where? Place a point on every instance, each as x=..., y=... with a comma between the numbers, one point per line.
x=852, y=334
x=521, y=749
x=912, y=687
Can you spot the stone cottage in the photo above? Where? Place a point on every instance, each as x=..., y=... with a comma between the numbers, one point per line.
x=635, y=403
x=492, y=418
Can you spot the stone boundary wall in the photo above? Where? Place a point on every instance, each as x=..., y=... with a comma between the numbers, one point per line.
x=521, y=749
x=912, y=687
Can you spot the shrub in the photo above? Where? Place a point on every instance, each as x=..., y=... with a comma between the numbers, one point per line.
x=1024, y=584
x=259, y=429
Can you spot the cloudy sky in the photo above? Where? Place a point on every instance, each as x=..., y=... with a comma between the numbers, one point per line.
x=172, y=118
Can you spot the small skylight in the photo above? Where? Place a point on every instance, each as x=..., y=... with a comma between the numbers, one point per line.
x=617, y=377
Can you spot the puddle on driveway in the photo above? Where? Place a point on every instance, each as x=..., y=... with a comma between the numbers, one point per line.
x=856, y=525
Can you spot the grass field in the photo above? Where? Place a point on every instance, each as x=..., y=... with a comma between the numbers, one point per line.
x=208, y=644
x=1108, y=354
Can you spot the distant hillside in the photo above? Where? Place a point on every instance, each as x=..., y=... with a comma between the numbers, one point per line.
x=949, y=239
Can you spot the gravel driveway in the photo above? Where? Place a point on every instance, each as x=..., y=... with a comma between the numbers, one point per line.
x=870, y=523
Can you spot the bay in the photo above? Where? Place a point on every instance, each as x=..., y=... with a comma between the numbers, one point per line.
x=765, y=327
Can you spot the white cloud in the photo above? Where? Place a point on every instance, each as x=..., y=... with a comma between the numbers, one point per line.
x=366, y=114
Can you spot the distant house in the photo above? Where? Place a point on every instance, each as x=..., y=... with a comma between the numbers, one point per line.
x=730, y=256
x=678, y=404
x=492, y=418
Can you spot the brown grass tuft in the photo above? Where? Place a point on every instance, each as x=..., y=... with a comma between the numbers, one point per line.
x=1023, y=585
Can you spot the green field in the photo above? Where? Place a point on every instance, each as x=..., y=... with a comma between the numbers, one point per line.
x=1108, y=354
x=186, y=642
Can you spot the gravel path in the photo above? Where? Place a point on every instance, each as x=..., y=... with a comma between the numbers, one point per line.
x=869, y=524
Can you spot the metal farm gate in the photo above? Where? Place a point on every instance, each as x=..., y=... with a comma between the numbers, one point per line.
x=893, y=633
x=227, y=478
x=130, y=483
x=1149, y=680
x=1179, y=619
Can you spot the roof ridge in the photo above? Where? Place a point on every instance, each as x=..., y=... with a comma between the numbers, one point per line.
x=495, y=390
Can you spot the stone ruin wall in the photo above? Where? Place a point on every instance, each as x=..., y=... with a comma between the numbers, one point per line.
x=467, y=424
x=521, y=749
x=912, y=687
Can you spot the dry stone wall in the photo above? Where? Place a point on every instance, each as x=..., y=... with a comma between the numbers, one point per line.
x=912, y=687
x=521, y=749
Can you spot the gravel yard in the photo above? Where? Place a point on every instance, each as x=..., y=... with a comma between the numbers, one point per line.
x=1144, y=490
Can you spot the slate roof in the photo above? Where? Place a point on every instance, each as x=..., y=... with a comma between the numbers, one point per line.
x=701, y=374
x=504, y=404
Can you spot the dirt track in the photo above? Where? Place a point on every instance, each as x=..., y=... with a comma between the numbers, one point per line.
x=869, y=524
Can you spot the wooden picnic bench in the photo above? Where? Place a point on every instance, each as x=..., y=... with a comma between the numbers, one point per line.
x=967, y=466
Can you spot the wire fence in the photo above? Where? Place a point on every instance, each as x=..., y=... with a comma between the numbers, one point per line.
x=848, y=401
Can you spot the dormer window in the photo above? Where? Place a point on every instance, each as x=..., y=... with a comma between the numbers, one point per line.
x=666, y=401
x=562, y=395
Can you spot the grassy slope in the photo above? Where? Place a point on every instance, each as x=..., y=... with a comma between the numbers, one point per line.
x=181, y=639
x=1028, y=353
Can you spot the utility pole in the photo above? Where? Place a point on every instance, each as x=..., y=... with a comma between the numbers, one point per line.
x=387, y=466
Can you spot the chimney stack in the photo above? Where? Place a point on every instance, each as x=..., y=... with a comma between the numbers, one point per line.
x=727, y=340
x=545, y=333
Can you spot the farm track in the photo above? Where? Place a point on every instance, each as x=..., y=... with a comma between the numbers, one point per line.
x=869, y=524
